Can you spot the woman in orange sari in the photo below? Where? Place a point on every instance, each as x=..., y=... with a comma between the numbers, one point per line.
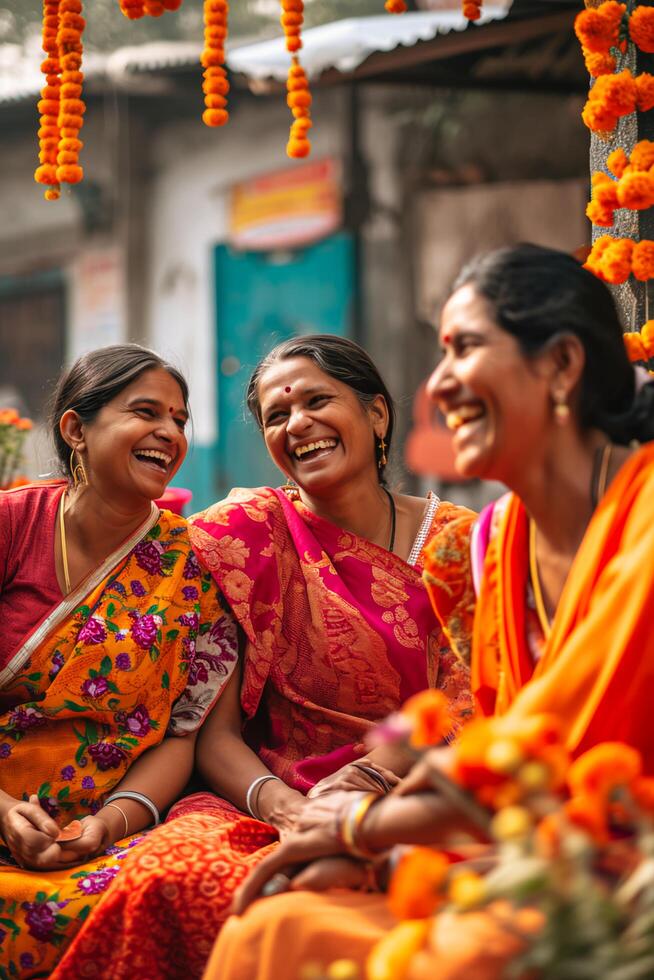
x=108, y=623
x=537, y=388
x=324, y=578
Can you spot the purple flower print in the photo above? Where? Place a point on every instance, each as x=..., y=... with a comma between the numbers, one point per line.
x=95, y=687
x=189, y=619
x=138, y=721
x=67, y=773
x=123, y=662
x=190, y=592
x=198, y=674
x=106, y=755
x=137, y=588
x=5, y=750
x=57, y=664
x=3, y=933
x=93, y=631
x=148, y=556
x=40, y=918
x=49, y=804
x=88, y=782
x=188, y=646
x=97, y=881
x=191, y=567
x=144, y=630
x=120, y=635
x=26, y=961
x=119, y=588
x=25, y=718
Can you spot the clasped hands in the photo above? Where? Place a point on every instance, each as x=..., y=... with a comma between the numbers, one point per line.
x=31, y=836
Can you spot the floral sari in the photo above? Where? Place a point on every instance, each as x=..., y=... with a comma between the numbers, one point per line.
x=338, y=633
x=139, y=650
x=594, y=672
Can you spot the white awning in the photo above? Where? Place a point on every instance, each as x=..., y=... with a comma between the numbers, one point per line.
x=345, y=44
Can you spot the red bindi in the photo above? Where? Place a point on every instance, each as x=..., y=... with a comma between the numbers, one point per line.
x=287, y=389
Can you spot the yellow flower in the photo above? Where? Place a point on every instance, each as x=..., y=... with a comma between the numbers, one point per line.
x=391, y=957
x=511, y=823
x=343, y=970
x=504, y=756
x=467, y=890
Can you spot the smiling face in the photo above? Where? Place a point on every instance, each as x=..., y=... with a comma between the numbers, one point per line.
x=136, y=442
x=496, y=401
x=315, y=428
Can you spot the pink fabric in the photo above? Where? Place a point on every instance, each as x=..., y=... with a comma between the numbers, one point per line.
x=28, y=581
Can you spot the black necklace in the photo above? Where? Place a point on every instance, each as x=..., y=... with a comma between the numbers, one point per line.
x=391, y=544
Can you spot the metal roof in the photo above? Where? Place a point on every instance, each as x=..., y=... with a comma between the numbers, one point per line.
x=346, y=44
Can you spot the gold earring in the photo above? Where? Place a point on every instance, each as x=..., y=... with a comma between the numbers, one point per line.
x=290, y=487
x=382, y=449
x=561, y=409
x=77, y=470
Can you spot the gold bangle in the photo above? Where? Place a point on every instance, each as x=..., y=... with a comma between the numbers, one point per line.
x=124, y=815
x=354, y=817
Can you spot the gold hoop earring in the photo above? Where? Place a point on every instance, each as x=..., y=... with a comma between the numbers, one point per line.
x=382, y=449
x=77, y=470
x=561, y=409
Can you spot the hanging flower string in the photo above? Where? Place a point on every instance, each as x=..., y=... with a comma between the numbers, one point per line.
x=215, y=85
x=614, y=259
x=135, y=9
x=48, y=105
x=395, y=6
x=633, y=188
x=71, y=105
x=298, y=96
x=640, y=343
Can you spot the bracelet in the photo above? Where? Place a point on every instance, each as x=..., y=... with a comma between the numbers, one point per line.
x=376, y=777
x=120, y=810
x=351, y=822
x=250, y=802
x=129, y=794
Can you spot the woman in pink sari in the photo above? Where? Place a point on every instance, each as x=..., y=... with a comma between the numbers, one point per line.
x=324, y=579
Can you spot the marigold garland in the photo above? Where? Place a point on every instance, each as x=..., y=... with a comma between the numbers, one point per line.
x=633, y=189
x=614, y=259
x=613, y=96
x=641, y=28
x=396, y=6
x=135, y=9
x=48, y=105
x=298, y=96
x=602, y=28
x=640, y=343
x=215, y=85
x=71, y=105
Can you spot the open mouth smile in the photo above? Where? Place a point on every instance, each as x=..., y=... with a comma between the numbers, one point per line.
x=154, y=458
x=462, y=415
x=314, y=450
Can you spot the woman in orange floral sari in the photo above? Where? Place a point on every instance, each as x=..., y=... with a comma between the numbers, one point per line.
x=537, y=387
x=131, y=647
x=324, y=579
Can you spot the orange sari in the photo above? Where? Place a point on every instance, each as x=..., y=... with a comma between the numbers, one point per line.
x=596, y=672
x=136, y=652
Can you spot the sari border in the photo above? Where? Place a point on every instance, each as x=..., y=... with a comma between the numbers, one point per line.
x=69, y=602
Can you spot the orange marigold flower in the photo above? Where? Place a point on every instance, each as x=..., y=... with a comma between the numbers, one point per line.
x=416, y=888
x=598, y=118
x=616, y=92
x=647, y=334
x=617, y=161
x=594, y=260
x=429, y=714
x=635, y=351
x=642, y=155
x=641, y=28
x=587, y=813
x=642, y=260
x=395, y=6
x=471, y=768
x=636, y=191
x=471, y=11
x=645, y=91
x=598, y=64
x=598, y=29
x=616, y=261
x=608, y=765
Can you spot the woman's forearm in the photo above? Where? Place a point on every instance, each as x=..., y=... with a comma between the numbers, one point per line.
x=161, y=774
x=425, y=818
x=229, y=767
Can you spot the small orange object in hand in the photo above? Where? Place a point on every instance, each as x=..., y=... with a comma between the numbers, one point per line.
x=73, y=831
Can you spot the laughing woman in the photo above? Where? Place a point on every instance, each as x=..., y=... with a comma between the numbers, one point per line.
x=324, y=578
x=113, y=641
x=536, y=384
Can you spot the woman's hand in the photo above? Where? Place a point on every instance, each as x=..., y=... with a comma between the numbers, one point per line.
x=354, y=778
x=31, y=836
x=421, y=776
x=334, y=872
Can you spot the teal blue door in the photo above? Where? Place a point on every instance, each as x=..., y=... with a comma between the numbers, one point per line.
x=263, y=298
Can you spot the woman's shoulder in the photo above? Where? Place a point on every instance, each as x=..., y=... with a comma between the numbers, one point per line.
x=253, y=503
x=24, y=502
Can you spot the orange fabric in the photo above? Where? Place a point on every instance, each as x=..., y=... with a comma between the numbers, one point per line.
x=597, y=669
x=279, y=936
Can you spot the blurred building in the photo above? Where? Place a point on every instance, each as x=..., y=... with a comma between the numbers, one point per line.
x=431, y=140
